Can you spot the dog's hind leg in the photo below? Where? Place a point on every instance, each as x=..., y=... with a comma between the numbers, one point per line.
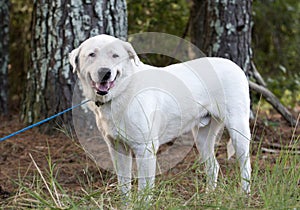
x=239, y=131
x=205, y=138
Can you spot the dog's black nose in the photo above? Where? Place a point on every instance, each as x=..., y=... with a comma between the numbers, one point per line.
x=104, y=74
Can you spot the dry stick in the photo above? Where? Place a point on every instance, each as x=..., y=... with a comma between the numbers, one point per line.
x=294, y=131
x=279, y=151
x=40, y=172
x=273, y=100
x=257, y=75
x=282, y=147
x=93, y=199
x=256, y=115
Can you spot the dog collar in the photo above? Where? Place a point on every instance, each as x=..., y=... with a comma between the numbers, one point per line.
x=98, y=103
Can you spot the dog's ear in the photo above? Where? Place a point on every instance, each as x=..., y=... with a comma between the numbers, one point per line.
x=73, y=58
x=131, y=52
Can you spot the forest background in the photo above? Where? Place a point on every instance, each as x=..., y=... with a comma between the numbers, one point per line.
x=53, y=171
x=275, y=40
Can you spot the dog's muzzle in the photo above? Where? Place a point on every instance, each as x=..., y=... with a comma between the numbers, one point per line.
x=105, y=82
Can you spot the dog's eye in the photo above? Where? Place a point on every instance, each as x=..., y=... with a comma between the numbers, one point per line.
x=115, y=55
x=92, y=54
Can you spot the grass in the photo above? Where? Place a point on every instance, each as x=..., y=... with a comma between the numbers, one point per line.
x=275, y=185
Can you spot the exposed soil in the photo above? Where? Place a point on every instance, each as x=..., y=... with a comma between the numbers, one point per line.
x=73, y=166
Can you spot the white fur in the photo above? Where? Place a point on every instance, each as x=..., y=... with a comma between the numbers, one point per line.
x=149, y=106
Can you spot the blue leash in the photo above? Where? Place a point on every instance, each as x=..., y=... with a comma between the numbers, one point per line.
x=42, y=121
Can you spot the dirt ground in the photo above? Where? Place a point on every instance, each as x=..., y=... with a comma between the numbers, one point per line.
x=73, y=164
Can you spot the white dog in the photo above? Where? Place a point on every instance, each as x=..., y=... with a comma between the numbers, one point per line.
x=140, y=107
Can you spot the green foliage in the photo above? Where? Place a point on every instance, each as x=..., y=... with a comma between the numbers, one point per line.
x=276, y=41
x=164, y=16
x=169, y=16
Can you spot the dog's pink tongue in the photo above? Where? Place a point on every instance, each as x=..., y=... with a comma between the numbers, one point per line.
x=104, y=86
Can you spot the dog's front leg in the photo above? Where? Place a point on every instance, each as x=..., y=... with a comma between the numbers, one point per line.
x=122, y=161
x=146, y=166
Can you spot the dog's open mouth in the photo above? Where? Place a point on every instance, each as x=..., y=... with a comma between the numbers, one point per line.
x=102, y=88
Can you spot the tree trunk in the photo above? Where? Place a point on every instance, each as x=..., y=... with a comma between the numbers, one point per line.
x=223, y=29
x=58, y=27
x=4, y=51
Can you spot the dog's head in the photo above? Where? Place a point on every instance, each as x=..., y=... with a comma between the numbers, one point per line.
x=101, y=63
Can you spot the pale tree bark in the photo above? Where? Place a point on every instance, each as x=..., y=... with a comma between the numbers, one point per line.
x=4, y=55
x=58, y=27
x=223, y=29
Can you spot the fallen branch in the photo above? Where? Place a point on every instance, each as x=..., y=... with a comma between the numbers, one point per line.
x=282, y=147
x=279, y=151
x=256, y=75
x=274, y=101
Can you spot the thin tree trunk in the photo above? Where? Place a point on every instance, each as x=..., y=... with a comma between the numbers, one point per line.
x=4, y=58
x=58, y=27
